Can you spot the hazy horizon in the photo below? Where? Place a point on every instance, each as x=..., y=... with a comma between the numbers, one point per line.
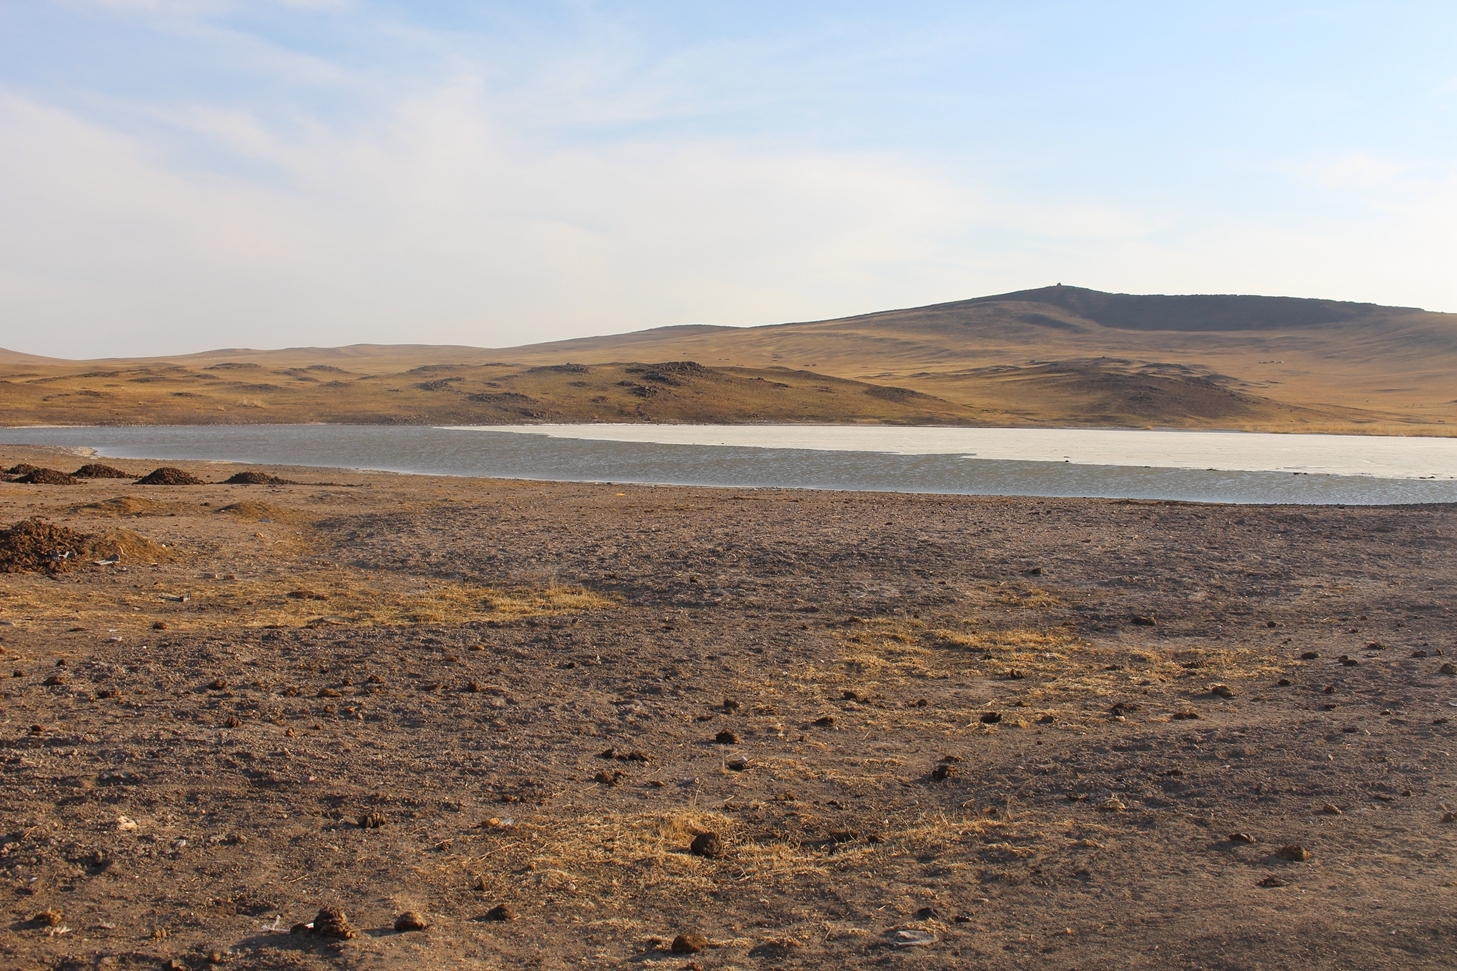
x=184, y=175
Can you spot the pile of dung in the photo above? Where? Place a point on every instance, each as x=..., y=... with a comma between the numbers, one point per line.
x=47, y=477
x=256, y=478
x=167, y=475
x=35, y=546
x=93, y=470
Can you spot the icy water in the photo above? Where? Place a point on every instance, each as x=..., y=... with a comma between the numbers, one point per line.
x=1108, y=463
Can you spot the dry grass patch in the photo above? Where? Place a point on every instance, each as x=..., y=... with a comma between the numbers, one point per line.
x=294, y=600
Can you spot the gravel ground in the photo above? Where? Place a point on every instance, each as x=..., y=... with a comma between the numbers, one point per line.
x=916, y=731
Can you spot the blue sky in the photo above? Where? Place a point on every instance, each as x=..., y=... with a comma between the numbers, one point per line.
x=177, y=175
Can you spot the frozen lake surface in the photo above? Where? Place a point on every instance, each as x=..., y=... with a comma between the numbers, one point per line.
x=1110, y=463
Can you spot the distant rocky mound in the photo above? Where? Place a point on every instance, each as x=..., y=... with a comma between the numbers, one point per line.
x=94, y=470
x=256, y=478
x=167, y=475
x=47, y=477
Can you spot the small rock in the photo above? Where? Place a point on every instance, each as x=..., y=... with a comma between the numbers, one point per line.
x=1449, y=817
x=1447, y=668
x=411, y=920
x=232, y=721
x=708, y=845
x=1244, y=838
x=333, y=922
x=1284, y=682
x=1310, y=656
x=926, y=913
x=1348, y=661
x=726, y=737
x=688, y=943
x=1418, y=654
x=911, y=938
x=1113, y=805
x=1047, y=719
x=1222, y=691
x=608, y=777
x=47, y=918
x=737, y=764
x=730, y=705
x=1330, y=809
x=1148, y=621
x=991, y=717
x=371, y=821
x=218, y=684
x=824, y=721
x=943, y=772
x=1294, y=853
x=55, y=679
x=500, y=912
x=1272, y=881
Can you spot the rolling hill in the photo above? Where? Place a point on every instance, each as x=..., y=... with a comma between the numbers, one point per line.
x=1052, y=356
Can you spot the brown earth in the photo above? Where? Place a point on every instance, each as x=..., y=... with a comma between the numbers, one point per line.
x=918, y=731
x=1062, y=356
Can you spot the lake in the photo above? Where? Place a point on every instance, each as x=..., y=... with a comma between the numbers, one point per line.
x=1107, y=463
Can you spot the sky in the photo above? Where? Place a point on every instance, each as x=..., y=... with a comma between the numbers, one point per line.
x=180, y=175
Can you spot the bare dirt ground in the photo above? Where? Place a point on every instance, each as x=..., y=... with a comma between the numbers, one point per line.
x=904, y=731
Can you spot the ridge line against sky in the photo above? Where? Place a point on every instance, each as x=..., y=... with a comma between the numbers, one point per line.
x=178, y=175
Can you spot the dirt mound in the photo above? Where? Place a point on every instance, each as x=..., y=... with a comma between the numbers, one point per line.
x=119, y=506
x=47, y=477
x=261, y=512
x=23, y=468
x=94, y=470
x=129, y=546
x=256, y=478
x=34, y=546
x=167, y=475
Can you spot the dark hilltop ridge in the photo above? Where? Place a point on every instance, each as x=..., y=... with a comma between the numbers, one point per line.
x=1052, y=356
x=1198, y=312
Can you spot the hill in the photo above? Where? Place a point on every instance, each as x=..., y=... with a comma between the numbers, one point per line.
x=1055, y=355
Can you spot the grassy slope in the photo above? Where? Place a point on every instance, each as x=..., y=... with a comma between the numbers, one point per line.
x=1060, y=355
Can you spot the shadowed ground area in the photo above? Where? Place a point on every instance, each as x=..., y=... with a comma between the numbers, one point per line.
x=902, y=730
